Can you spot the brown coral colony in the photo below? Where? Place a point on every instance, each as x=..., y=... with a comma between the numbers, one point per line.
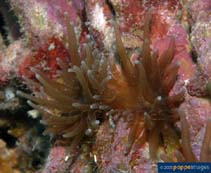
x=71, y=105
x=147, y=83
x=84, y=93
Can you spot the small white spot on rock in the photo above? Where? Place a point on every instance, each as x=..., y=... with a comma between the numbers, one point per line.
x=66, y=158
x=9, y=93
x=187, y=81
x=51, y=46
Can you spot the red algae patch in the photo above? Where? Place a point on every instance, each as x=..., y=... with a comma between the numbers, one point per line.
x=45, y=59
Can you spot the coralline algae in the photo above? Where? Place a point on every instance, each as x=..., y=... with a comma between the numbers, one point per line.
x=43, y=24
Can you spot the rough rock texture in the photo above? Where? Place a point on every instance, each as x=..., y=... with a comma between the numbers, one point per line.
x=8, y=159
x=200, y=35
x=94, y=20
x=197, y=110
x=110, y=150
x=56, y=160
x=10, y=59
x=43, y=19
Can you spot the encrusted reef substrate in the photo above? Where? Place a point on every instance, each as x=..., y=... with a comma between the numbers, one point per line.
x=114, y=86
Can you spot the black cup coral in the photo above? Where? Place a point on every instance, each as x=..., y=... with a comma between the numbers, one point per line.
x=142, y=89
x=73, y=104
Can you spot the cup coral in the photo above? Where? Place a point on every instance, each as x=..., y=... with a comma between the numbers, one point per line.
x=73, y=104
x=142, y=89
x=112, y=90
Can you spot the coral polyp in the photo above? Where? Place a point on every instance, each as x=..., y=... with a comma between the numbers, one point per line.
x=142, y=89
x=187, y=154
x=74, y=103
x=71, y=104
x=104, y=85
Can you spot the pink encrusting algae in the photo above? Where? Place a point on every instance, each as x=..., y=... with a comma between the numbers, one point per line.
x=45, y=59
x=116, y=85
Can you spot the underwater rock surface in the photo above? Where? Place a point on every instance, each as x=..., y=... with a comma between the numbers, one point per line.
x=42, y=46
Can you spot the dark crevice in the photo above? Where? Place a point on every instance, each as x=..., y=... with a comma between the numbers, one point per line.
x=194, y=56
x=9, y=139
x=2, y=28
x=110, y=5
x=9, y=25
